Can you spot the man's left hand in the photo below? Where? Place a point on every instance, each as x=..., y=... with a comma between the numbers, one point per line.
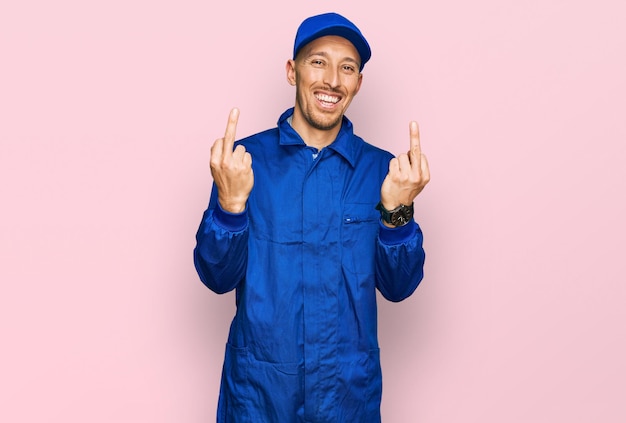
x=408, y=174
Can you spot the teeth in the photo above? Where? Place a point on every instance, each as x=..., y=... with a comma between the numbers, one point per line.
x=327, y=98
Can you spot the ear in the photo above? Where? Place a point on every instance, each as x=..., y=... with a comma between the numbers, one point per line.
x=358, y=84
x=290, y=67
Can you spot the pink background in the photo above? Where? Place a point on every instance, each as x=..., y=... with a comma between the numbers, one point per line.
x=107, y=113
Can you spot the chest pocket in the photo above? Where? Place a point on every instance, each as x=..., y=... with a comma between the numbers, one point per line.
x=359, y=231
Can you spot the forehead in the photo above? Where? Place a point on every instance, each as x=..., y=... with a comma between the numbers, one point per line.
x=331, y=44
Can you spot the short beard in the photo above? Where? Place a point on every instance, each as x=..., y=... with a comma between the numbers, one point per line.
x=321, y=125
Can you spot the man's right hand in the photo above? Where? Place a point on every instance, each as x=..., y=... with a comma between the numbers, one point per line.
x=231, y=170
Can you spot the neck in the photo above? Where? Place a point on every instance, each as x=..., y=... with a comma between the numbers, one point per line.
x=314, y=137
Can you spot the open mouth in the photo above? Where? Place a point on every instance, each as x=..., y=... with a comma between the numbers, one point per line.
x=327, y=100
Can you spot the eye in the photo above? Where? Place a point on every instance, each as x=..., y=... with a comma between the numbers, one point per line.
x=317, y=62
x=349, y=69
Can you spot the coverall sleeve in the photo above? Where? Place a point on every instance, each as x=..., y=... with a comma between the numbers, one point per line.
x=221, y=252
x=399, y=260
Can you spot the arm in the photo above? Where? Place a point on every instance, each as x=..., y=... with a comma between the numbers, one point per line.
x=399, y=260
x=399, y=252
x=221, y=252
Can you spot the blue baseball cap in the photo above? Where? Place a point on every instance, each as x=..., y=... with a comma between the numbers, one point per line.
x=331, y=24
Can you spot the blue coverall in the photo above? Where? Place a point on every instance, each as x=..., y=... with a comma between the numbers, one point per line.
x=306, y=258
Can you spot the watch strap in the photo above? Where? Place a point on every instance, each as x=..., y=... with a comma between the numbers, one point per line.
x=399, y=216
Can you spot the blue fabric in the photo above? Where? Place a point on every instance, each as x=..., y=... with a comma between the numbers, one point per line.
x=306, y=258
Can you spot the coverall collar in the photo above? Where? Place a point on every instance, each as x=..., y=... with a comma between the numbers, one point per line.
x=344, y=144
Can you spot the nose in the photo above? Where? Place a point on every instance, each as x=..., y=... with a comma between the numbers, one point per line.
x=331, y=77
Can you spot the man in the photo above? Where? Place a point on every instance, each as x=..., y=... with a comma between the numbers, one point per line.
x=306, y=221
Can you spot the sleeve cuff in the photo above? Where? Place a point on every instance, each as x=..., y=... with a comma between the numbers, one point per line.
x=233, y=222
x=399, y=235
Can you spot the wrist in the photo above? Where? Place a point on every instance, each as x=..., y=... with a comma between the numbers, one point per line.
x=397, y=216
x=233, y=207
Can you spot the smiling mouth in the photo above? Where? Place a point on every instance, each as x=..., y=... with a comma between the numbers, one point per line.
x=327, y=100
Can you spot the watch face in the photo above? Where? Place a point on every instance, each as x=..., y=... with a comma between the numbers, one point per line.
x=402, y=215
x=399, y=218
